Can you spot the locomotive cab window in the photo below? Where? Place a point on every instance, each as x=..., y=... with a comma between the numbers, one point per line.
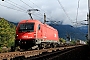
x=39, y=27
x=26, y=27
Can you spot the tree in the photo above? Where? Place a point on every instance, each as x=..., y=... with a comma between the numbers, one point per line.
x=7, y=32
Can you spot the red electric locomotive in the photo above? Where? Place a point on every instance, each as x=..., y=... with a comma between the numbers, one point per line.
x=30, y=33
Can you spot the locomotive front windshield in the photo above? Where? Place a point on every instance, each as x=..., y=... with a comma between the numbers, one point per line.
x=26, y=27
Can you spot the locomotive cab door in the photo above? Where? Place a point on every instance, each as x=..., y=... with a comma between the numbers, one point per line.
x=39, y=33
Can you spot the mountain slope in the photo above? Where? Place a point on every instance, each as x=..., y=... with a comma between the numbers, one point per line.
x=74, y=33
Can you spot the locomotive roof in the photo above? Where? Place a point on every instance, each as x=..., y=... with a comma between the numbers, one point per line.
x=24, y=21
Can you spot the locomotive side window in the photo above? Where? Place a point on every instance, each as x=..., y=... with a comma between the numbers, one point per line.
x=26, y=27
x=39, y=27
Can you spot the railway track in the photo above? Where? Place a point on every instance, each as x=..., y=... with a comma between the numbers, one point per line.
x=54, y=54
x=36, y=54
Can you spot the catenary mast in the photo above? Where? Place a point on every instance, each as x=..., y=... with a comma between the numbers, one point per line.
x=88, y=17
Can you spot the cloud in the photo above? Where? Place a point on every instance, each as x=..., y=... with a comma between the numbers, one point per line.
x=52, y=9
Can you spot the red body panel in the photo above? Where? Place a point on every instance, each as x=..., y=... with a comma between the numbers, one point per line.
x=49, y=33
x=46, y=32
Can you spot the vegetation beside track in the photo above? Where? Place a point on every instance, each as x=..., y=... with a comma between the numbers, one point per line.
x=7, y=33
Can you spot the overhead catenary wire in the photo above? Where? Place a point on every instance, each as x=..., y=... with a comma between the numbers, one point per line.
x=12, y=8
x=21, y=10
x=37, y=6
x=64, y=10
x=17, y=10
x=28, y=6
x=15, y=5
x=26, y=3
x=40, y=8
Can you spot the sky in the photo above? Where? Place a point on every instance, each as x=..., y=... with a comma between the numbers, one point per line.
x=55, y=10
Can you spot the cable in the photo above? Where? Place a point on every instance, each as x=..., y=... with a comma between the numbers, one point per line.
x=20, y=6
x=16, y=10
x=28, y=5
x=39, y=8
x=25, y=3
x=11, y=8
x=32, y=7
x=15, y=6
x=64, y=10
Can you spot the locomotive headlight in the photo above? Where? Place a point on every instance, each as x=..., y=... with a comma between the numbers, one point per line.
x=16, y=35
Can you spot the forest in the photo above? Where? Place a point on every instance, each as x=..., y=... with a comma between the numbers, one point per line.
x=7, y=33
